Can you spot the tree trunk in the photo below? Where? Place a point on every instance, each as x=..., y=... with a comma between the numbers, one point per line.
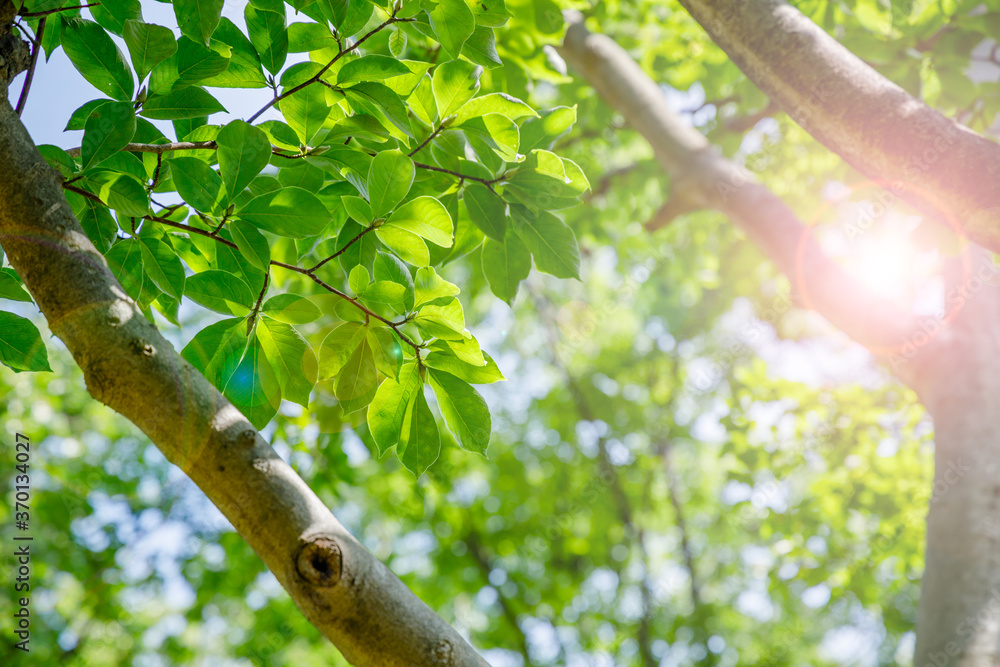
x=959, y=620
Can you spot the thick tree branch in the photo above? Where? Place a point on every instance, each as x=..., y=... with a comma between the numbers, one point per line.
x=705, y=179
x=346, y=592
x=942, y=168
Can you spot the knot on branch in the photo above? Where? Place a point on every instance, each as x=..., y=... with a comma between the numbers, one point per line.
x=247, y=438
x=443, y=652
x=319, y=562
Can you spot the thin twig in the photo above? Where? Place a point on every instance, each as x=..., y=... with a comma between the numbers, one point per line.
x=316, y=77
x=428, y=140
x=342, y=250
x=30, y=75
x=83, y=193
x=298, y=269
x=47, y=12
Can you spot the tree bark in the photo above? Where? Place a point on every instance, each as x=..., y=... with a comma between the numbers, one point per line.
x=347, y=593
x=953, y=370
x=939, y=166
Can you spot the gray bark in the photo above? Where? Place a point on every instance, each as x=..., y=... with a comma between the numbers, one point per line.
x=947, y=170
x=347, y=593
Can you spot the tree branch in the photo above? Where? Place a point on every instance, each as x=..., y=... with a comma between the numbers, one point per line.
x=950, y=172
x=30, y=74
x=704, y=179
x=353, y=598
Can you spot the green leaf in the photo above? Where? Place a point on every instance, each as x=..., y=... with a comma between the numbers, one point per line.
x=291, y=212
x=455, y=83
x=291, y=358
x=21, y=346
x=481, y=48
x=453, y=23
x=442, y=357
x=109, y=129
x=163, y=266
x=464, y=410
x=487, y=210
x=383, y=103
x=357, y=381
x=397, y=42
x=148, y=45
x=191, y=102
x=251, y=243
x=389, y=407
x=96, y=57
x=493, y=132
x=543, y=131
x=78, y=119
x=358, y=209
x=506, y=265
x=113, y=14
x=389, y=293
x=10, y=287
x=491, y=13
x=410, y=247
x=425, y=217
x=305, y=37
x=442, y=321
x=551, y=242
x=420, y=441
x=358, y=280
x=499, y=103
x=422, y=101
x=337, y=348
x=217, y=349
x=291, y=308
x=244, y=70
x=122, y=193
x=268, y=36
x=197, y=184
x=389, y=179
x=306, y=111
x=125, y=261
x=198, y=19
x=430, y=288
x=371, y=68
x=244, y=151
x=220, y=291
x=253, y=387
x=193, y=63
x=386, y=349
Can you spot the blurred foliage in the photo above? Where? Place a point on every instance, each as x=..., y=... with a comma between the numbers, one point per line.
x=683, y=469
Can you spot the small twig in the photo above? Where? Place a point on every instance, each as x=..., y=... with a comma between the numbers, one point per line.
x=306, y=272
x=47, y=12
x=485, y=181
x=30, y=74
x=156, y=173
x=428, y=140
x=252, y=319
x=342, y=250
x=316, y=77
x=83, y=193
